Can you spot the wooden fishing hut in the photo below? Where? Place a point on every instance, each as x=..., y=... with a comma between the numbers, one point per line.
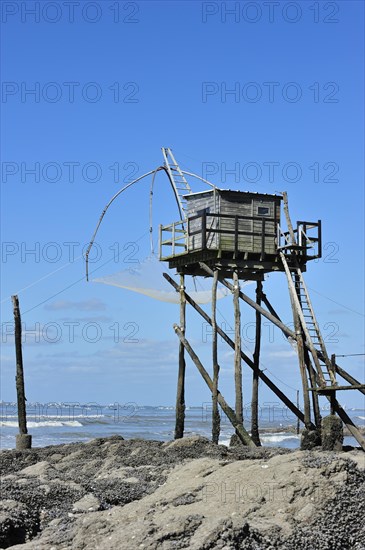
x=238, y=235
x=233, y=236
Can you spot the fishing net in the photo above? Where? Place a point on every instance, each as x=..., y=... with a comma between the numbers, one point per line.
x=146, y=278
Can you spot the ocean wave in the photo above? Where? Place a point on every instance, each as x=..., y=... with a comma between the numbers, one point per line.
x=278, y=437
x=268, y=438
x=44, y=424
x=56, y=416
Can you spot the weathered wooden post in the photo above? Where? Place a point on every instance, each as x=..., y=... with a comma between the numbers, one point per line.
x=313, y=381
x=255, y=377
x=180, y=397
x=237, y=348
x=23, y=439
x=215, y=409
x=333, y=394
x=301, y=359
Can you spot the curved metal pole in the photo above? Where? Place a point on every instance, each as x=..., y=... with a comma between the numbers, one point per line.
x=199, y=178
x=151, y=193
x=106, y=208
x=175, y=194
x=151, y=199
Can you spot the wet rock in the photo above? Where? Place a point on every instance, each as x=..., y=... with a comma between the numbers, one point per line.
x=310, y=439
x=332, y=433
x=185, y=442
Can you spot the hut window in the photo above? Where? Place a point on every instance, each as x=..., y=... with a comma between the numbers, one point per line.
x=262, y=211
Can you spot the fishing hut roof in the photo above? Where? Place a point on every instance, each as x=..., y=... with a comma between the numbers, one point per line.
x=230, y=192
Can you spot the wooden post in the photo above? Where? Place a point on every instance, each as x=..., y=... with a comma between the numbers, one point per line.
x=215, y=410
x=302, y=365
x=237, y=349
x=287, y=216
x=23, y=440
x=333, y=364
x=298, y=423
x=240, y=430
x=180, y=397
x=313, y=380
x=308, y=368
x=333, y=394
x=255, y=377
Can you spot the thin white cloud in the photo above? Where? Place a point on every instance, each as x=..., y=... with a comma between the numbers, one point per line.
x=283, y=354
x=94, y=304
x=89, y=319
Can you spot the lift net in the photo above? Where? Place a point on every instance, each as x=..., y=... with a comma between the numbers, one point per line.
x=147, y=278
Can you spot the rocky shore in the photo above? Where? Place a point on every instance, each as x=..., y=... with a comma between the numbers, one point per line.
x=114, y=494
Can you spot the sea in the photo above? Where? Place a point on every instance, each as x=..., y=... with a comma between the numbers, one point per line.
x=57, y=423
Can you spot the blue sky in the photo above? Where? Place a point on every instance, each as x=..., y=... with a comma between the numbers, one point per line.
x=278, y=86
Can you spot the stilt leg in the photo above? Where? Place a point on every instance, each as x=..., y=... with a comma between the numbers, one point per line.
x=180, y=397
x=255, y=378
x=215, y=411
x=237, y=351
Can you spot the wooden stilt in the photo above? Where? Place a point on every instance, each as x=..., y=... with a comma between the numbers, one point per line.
x=237, y=349
x=308, y=370
x=273, y=387
x=255, y=377
x=23, y=440
x=180, y=397
x=302, y=365
x=236, y=423
x=22, y=415
x=315, y=398
x=215, y=410
x=287, y=216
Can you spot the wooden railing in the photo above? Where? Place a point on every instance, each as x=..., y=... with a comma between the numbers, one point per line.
x=209, y=226
x=177, y=239
x=305, y=242
x=174, y=238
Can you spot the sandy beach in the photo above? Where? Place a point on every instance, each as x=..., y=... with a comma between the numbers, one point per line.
x=121, y=494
